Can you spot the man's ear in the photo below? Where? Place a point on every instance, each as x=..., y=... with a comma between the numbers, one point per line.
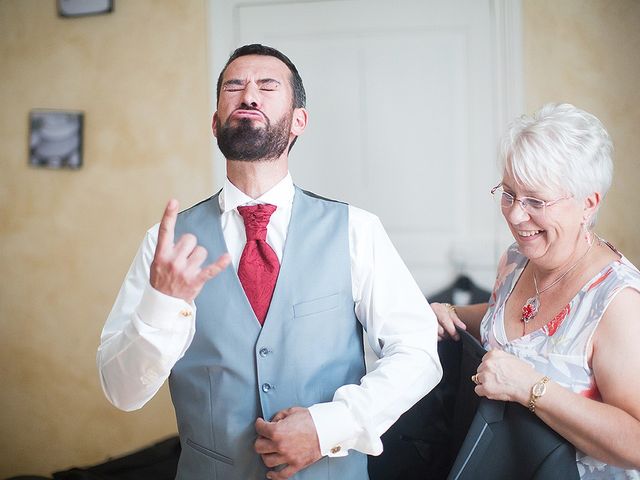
x=214, y=125
x=299, y=121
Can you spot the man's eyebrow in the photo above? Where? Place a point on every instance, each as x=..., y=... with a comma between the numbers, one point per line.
x=262, y=81
x=240, y=82
x=234, y=81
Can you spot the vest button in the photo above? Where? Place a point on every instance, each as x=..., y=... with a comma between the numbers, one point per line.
x=264, y=352
x=266, y=387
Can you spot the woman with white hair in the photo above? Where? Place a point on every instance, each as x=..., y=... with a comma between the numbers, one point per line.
x=562, y=325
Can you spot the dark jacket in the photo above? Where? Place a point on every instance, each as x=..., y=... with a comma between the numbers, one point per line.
x=504, y=439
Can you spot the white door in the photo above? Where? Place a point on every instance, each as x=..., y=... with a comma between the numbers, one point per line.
x=406, y=101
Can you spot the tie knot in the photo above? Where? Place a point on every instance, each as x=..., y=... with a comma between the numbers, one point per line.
x=256, y=218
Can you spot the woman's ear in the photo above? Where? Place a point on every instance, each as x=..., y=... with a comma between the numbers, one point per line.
x=591, y=203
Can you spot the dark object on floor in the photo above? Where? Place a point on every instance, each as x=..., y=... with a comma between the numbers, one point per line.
x=29, y=477
x=158, y=462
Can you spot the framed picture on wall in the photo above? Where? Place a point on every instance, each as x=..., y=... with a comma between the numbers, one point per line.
x=80, y=8
x=55, y=138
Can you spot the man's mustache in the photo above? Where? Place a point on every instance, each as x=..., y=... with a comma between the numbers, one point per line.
x=244, y=106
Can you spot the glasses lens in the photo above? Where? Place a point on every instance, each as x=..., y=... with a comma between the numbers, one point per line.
x=533, y=206
x=506, y=199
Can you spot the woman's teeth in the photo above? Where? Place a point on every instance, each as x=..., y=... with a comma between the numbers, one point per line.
x=529, y=233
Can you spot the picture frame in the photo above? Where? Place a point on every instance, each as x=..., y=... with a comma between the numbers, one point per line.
x=81, y=8
x=55, y=138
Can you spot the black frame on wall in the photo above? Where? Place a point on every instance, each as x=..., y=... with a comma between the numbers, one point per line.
x=55, y=138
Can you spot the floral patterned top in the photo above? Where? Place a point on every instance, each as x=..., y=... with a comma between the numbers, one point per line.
x=560, y=348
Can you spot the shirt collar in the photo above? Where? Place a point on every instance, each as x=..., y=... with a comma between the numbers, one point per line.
x=280, y=195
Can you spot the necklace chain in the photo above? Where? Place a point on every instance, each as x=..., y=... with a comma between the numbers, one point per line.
x=535, y=280
x=532, y=305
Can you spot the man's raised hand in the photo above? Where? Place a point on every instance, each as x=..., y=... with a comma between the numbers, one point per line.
x=177, y=268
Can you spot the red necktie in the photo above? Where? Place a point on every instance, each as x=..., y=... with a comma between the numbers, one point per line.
x=259, y=265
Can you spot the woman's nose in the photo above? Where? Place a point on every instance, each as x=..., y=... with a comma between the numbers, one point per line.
x=515, y=213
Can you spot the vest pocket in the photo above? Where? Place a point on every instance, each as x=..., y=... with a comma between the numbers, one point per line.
x=209, y=453
x=318, y=305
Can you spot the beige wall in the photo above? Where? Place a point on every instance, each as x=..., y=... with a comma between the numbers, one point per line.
x=67, y=238
x=587, y=52
x=140, y=75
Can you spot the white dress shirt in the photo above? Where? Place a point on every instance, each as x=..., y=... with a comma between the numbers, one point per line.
x=147, y=332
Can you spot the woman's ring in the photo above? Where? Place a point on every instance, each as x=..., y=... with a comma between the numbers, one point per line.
x=474, y=379
x=449, y=307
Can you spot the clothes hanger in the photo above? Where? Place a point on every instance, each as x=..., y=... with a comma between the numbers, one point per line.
x=463, y=282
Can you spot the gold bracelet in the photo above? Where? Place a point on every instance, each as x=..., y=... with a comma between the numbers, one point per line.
x=537, y=391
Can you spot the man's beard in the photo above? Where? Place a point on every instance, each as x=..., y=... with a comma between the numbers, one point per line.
x=247, y=143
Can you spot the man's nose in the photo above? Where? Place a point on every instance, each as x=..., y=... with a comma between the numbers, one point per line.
x=250, y=95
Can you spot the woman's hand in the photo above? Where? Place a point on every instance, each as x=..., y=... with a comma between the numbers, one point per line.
x=502, y=376
x=447, y=321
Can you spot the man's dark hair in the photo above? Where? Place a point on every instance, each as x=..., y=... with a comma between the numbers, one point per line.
x=299, y=95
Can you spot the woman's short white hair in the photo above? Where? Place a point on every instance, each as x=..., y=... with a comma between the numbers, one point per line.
x=560, y=147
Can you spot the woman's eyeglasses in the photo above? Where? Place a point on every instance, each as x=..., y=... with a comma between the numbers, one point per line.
x=533, y=206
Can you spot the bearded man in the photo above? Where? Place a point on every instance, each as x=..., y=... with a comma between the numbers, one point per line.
x=269, y=380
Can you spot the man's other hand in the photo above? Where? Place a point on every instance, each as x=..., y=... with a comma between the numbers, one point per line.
x=290, y=440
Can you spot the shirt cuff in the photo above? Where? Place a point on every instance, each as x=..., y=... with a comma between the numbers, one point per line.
x=163, y=311
x=336, y=428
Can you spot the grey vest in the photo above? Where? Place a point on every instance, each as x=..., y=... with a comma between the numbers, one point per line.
x=234, y=371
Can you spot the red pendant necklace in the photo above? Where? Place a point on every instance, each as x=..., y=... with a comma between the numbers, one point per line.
x=532, y=306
